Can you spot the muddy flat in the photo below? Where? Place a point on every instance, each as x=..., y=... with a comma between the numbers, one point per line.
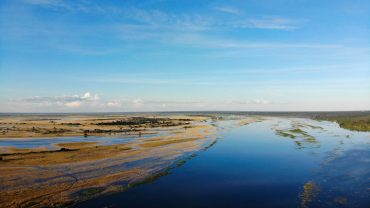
x=63, y=173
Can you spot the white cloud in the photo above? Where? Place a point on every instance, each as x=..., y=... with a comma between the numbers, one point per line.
x=230, y=10
x=170, y=105
x=89, y=97
x=202, y=41
x=86, y=103
x=270, y=23
x=262, y=102
x=73, y=101
x=73, y=104
x=70, y=6
x=43, y=2
x=113, y=104
x=86, y=95
x=137, y=103
x=89, y=102
x=133, y=25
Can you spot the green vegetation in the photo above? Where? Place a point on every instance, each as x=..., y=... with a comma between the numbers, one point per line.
x=285, y=134
x=143, y=120
x=301, y=138
x=314, y=127
x=91, y=192
x=301, y=125
x=300, y=132
x=210, y=145
x=294, y=133
x=357, y=124
x=181, y=163
x=356, y=121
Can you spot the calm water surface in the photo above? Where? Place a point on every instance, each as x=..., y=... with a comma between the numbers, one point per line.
x=50, y=142
x=251, y=166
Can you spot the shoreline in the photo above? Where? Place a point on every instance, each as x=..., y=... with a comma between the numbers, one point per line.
x=78, y=167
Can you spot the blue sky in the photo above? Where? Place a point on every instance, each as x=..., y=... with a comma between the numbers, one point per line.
x=163, y=55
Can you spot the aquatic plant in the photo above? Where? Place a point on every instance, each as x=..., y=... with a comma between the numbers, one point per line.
x=341, y=200
x=210, y=145
x=310, y=191
x=301, y=137
x=285, y=134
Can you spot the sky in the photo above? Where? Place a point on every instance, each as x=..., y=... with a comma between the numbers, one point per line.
x=166, y=55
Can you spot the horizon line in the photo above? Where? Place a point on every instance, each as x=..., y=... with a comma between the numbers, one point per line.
x=189, y=111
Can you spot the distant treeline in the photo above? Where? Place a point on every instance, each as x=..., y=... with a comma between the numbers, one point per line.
x=142, y=120
x=357, y=123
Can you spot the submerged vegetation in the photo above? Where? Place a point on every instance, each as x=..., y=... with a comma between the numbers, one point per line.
x=301, y=137
x=285, y=134
x=310, y=190
x=295, y=133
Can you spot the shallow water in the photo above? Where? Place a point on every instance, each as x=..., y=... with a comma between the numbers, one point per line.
x=252, y=166
x=50, y=142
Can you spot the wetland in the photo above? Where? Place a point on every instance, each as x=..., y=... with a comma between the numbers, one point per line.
x=182, y=160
